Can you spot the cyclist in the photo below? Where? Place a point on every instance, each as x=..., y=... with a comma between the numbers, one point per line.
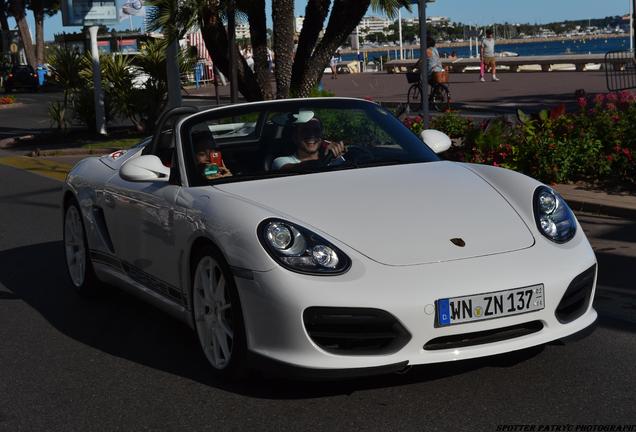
x=433, y=60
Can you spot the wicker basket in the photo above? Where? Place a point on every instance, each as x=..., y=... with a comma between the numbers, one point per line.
x=440, y=77
x=413, y=77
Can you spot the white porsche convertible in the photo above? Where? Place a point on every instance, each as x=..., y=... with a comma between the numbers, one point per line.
x=323, y=236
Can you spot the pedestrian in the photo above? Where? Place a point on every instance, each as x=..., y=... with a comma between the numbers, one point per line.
x=487, y=56
x=361, y=61
x=333, y=63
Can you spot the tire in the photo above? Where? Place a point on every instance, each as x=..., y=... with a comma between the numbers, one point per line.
x=440, y=98
x=217, y=315
x=78, y=264
x=414, y=98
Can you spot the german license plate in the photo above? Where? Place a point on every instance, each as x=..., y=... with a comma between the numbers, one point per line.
x=460, y=310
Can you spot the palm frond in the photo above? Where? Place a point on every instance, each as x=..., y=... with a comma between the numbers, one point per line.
x=390, y=7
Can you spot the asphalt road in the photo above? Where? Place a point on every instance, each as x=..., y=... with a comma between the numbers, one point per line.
x=114, y=363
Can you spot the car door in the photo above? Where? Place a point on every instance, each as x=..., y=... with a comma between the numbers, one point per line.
x=141, y=219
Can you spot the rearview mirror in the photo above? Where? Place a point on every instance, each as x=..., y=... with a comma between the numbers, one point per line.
x=144, y=168
x=438, y=141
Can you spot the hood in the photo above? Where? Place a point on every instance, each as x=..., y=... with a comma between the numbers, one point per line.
x=397, y=215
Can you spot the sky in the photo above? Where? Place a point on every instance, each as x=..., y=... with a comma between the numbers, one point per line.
x=479, y=12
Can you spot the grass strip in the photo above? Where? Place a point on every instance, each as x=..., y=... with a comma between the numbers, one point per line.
x=121, y=143
x=39, y=166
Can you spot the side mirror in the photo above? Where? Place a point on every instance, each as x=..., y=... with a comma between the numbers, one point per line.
x=144, y=168
x=438, y=141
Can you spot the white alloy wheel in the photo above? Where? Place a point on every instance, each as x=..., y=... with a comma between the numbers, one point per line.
x=213, y=312
x=75, y=246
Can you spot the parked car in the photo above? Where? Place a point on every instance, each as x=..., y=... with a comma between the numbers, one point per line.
x=21, y=77
x=323, y=237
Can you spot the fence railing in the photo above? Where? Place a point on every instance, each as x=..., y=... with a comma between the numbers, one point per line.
x=620, y=70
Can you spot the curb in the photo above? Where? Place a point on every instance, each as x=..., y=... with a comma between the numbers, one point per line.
x=578, y=205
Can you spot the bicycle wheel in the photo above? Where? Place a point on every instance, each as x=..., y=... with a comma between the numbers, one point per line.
x=439, y=100
x=414, y=97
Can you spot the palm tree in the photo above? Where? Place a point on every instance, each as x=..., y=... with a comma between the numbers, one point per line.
x=18, y=11
x=208, y=16
x=41, y=8
x=284, y=32
x=345, y=16
x=295, y=73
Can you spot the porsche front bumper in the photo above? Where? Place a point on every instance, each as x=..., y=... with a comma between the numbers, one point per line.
x=275, y=302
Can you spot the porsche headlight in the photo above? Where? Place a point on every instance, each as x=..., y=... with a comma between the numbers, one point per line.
x=300, y=250
x=554, y=218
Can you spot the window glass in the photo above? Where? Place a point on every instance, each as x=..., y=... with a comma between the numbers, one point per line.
x=296, y=137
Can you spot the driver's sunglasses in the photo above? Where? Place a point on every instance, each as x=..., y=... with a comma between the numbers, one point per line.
x=311, y=132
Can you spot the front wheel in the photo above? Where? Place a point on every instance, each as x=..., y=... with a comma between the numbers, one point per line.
x=217, y=315
x=414, y=97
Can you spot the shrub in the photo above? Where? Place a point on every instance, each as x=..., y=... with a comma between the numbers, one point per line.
x=594, y=144
x=7, y=100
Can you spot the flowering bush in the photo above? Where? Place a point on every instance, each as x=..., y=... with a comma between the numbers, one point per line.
x=415, y=123
x=594, y=144
x=7, y=100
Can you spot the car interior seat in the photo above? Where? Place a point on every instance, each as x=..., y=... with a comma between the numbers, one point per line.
x=281, y=143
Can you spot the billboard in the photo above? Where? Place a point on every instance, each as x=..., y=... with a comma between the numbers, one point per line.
x=89, y=12
x=132, y=8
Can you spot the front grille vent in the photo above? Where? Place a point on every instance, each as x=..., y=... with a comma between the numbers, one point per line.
x=355, y=331
x=576, y=299
x=483, y=337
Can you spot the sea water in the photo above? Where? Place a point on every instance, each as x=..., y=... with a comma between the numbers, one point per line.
x=539, y=48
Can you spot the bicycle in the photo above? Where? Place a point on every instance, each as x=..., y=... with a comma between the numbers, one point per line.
x=439, y=93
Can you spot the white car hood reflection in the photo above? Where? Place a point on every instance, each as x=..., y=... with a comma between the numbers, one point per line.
x=398, y=215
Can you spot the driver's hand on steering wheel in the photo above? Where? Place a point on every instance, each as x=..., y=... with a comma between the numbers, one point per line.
x=336, y=148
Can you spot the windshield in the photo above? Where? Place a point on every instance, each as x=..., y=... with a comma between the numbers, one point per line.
x=295, y=137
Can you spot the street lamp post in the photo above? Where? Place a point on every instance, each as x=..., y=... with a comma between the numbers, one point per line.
x=400, y=32
x=424, y=68
x=100, y=118
x=231, y=30
x=632, y=7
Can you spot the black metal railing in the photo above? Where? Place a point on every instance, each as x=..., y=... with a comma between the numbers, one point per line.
x=620, y=70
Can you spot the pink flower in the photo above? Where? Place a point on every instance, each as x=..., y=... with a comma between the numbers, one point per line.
x=610, y=158
x=628, y=153
x=624, y=97
x=611, y=97
x=616, y=118
x=599, y=99
x=582, y=102
x=610, y=106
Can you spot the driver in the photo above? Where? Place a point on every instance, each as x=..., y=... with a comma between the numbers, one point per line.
x=308, y=139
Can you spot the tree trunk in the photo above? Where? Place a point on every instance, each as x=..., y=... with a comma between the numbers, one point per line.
x=19, y=14
x=215, y=38
x=344, y=17
x=258, y=36
x=315, y=14
x=4, y=26
x=284, y=32
x=39, y=35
